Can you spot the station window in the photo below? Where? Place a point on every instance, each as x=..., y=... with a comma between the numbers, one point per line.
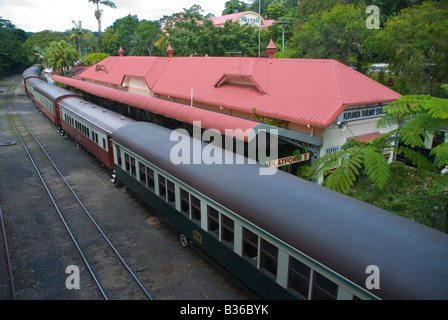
x=185, y=202
x=195, y=209
x=213, y=221
x=171, y=192
x=324, y=288
x=299, y=278
x=150, y=178
x=250, y=245
x=162, y=187
x=268, y=258
x=227, y=230
x=142, y=170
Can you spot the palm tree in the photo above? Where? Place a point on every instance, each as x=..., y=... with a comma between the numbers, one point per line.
x=99, y=12
x=79, y=33
x=61, y=56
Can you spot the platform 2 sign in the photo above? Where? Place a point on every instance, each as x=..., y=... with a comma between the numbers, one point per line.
x=288, y=160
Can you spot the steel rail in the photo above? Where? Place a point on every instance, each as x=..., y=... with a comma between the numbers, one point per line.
x=85, y=210
x=5, y=238
x=57, y=209
x=8, y=259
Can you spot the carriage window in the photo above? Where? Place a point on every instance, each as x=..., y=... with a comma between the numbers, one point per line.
x=213, y=221
x=104, y=143
x=150, y=178
x=250, y=245
x=171, y=193
x=299, y=277
x=227, y=228
x=133, y=168
x=323, y=288
x=142, y=169
x=268, y=258
x=162, y=187
x=127, y=163
x=119, y=157
x=196, y=209
x=185, y=202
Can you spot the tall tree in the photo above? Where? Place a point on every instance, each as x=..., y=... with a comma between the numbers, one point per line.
x=79, y=33
x=99, y=13
x=234, y=6
x=335, y=34
x=415, y=43
x=148, y=32
x=61, y=56
x=12, y=55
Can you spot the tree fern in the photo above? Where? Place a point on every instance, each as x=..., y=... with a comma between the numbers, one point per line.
x=345, y=176
x=441, y=155
x=376, y=166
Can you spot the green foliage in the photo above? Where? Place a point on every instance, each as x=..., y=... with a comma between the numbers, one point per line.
x=94, y=58
x=61, y=56
x=304, y=171
x=234, y=6
x=408, y=193
x=335, y=34
x=12, y=55
x=415, y=45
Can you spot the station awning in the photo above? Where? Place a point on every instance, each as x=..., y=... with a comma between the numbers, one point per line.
x=239, y=128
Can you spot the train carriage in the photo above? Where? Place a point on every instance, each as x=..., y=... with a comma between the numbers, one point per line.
x=91, y=126
x=30, y=73
x=283, y=236
x=46, y=97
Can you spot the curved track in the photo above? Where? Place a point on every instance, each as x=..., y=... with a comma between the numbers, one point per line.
x=89, y=239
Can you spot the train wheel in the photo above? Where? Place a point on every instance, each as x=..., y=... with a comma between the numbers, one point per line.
x=183, y=240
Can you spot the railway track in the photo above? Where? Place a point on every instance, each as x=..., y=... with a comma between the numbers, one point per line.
x=111, y=274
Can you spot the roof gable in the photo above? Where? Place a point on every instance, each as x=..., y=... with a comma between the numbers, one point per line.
x=306, y=91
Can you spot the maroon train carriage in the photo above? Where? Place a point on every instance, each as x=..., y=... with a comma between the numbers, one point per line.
x=32, y=72
x=46, y=97
x=91, y=126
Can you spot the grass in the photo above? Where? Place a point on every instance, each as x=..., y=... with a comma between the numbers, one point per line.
x=407, y=194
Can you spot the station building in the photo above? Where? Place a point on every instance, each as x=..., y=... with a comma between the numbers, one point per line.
x=315, y=105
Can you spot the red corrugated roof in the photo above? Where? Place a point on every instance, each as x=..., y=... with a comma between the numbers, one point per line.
x=184, y=113
x=305, y=91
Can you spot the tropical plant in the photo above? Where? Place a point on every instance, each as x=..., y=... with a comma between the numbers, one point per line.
x=79, y=33
x=61, y=56
x=94, y=58
x=415, y=45
x=354, y=158
x=420, y=117
x=99, y=13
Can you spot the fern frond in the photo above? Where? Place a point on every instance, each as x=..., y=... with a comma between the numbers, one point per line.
x=413, y=132
x=345, y=176
x=385, y=140
x=417, y=159
x=389, y=119
x=438, y=108
x=376, y=166
x=408, y=105
x=441, y=155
